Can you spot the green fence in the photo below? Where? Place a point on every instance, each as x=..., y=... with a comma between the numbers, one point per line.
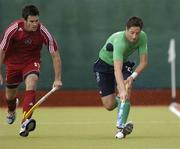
x=82, y=26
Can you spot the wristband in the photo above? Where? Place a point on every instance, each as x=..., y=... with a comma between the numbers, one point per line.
x=134, y=75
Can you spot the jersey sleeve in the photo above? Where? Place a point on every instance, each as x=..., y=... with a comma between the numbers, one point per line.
x=8, y=36
x=49, y=41
x=143, y=44
x=118, y=50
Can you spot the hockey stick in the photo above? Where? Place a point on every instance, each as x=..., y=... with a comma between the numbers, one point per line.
x=39, y=102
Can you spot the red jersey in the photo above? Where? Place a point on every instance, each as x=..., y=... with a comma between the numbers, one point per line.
x=21, y=46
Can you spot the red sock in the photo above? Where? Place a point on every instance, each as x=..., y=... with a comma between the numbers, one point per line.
x=29, y=101
x=11, y=105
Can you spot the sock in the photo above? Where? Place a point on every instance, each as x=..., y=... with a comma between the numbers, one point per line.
x=118, y=102
x=11, y=105
x=123, y=112
x=29, y=101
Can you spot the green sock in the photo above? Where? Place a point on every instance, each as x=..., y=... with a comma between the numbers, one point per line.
x=123, y=112
x=118, y=102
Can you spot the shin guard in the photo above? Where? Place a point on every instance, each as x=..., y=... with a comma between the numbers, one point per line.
x=123, y=112
x=29, y=101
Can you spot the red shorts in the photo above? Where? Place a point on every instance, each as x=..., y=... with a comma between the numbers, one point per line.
x=15, y=74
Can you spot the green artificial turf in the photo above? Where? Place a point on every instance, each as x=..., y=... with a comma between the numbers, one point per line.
x=93, y=128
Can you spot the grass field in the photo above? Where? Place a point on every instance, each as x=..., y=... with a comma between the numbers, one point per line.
x=93, y=128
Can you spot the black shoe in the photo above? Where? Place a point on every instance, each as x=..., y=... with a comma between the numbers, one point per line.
x=128, y=128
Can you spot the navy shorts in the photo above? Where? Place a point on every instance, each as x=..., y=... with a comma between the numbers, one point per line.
x=105, y=76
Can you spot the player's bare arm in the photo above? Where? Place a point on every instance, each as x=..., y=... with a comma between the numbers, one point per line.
x=142, y=65
x=2, y=54
x=119, y=79
x=57, y=69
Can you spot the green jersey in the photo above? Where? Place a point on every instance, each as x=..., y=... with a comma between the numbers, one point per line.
x=122, y=48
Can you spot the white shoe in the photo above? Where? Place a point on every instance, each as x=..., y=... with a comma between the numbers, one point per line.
x=11, y=116
x=121, y=133
x=27, y=126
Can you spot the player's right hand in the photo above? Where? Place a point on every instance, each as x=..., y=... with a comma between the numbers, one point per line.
x=123, y=95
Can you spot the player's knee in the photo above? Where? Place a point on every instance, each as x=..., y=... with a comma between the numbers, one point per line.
x=108, y=102
x=109, y=106
x=10, y=96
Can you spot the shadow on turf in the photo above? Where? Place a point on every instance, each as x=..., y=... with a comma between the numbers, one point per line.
x=91, y=137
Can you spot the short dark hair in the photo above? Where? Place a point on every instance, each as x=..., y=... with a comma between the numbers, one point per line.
x=29, y=10
x=134, y=21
